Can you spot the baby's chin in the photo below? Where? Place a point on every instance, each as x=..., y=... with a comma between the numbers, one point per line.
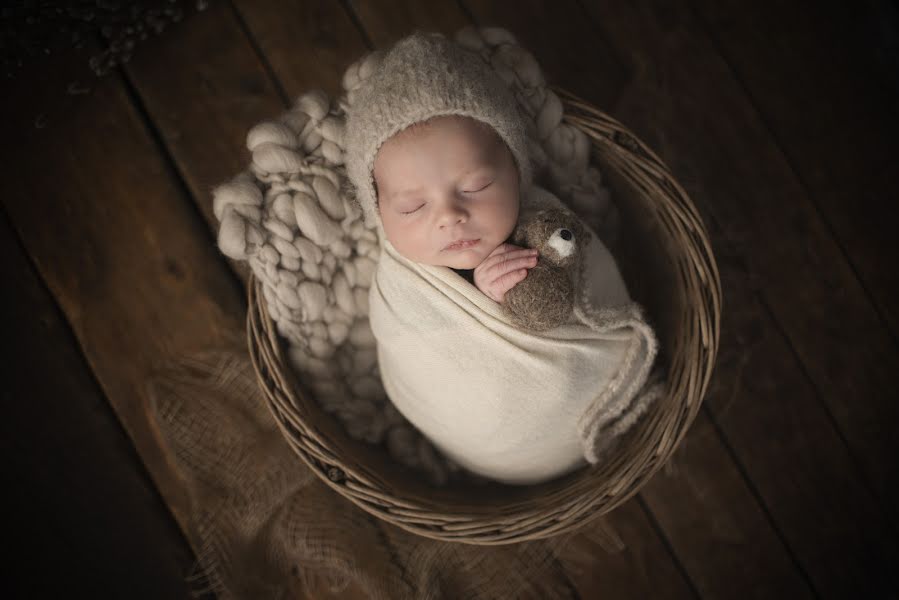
x=462, y=264
x=467, y=259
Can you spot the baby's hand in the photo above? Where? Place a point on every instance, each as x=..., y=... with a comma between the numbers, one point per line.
x=503, y=269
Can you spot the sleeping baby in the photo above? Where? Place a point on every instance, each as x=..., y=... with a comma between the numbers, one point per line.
x=448, y=194
x=437, y=151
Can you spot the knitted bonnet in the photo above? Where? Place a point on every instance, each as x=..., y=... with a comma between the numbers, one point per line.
x=422, y=76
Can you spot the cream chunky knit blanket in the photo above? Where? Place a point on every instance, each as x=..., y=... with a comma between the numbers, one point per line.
x=290, y=216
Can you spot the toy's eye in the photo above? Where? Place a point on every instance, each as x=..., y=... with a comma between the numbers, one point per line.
x=561, y=242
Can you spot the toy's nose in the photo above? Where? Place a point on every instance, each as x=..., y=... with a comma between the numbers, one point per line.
x=566, y=235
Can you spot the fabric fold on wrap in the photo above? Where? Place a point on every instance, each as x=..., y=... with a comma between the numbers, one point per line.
x=512, y=405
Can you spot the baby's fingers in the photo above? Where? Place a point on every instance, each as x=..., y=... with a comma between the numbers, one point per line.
x=511, y=261
x=507, y=281
x=503, y=248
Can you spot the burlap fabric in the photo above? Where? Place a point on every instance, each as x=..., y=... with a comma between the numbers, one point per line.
x=265, y=527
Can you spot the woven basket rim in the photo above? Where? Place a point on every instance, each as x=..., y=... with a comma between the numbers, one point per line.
x=590, y=491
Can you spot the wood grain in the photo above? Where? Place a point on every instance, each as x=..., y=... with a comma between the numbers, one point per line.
x=386, y=21
x=82, y=506
x=308, y=43
x=791, y=302
x=717, y=527
x=825, y=85
x=565, y=43
x=119, y=246
x=203, y=108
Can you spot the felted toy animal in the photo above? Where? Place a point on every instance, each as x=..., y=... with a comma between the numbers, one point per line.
x=545, y=298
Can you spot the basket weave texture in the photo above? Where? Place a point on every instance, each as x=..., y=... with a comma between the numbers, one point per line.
x=684, y=273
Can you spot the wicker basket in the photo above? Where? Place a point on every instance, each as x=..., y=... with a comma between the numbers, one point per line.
x=664, y=255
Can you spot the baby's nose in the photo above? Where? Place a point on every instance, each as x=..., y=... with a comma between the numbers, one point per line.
x=453, y=214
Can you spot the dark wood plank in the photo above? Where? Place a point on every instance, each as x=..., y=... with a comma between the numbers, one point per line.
x=717, y=528
x=801, y=296
x=824, y=83
x=570, y=52
x=203, y=108
x=85, y=516
x=385, y=22
x=629, y=559
x=804, y=278
x=308, y=43
x=800, y=466
x=118, y=244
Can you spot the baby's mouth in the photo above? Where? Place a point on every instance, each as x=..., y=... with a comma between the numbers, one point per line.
x=463, y=244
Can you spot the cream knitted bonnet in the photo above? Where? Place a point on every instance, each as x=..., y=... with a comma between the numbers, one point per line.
x=426, y=75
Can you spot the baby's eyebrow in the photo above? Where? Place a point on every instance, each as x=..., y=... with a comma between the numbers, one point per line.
x=405, y=192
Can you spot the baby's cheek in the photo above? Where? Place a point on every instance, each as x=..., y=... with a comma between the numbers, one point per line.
x=413, y=243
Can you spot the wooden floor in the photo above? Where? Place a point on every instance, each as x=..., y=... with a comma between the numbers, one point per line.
x=780, y=119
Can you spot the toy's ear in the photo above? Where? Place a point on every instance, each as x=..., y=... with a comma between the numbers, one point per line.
x=520, y=234
x=580, y=231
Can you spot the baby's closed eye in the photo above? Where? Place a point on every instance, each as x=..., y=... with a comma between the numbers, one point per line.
x=479, y=188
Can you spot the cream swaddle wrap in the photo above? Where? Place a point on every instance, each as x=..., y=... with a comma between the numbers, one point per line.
x=512, y=405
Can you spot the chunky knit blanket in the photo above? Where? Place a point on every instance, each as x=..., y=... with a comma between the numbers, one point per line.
x=291, y=216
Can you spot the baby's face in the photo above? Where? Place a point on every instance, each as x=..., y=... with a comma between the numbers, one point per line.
x=450, y=179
